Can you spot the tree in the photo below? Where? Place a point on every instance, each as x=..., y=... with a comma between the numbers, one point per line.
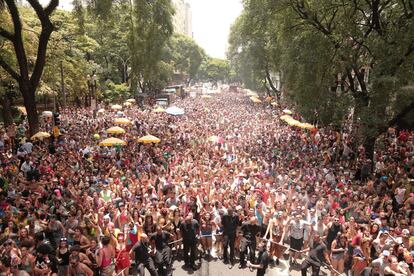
x=186, y=56
x=151, y=27
x=253, y=46
x=214, y=70
x=29, y=72
x=374, y=49
x=336, y=58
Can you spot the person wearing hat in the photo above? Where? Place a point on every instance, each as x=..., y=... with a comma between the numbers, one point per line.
x=382, y=261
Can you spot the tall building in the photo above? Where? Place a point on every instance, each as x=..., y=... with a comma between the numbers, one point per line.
x=188, y=20
x=182, y=20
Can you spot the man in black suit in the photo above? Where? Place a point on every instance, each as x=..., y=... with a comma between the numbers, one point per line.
x=262, y=260
x=248, y=242
x=143, y=258
x=229, y=222
x=189, y=232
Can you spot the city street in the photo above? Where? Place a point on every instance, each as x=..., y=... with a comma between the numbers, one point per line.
x=218, y=268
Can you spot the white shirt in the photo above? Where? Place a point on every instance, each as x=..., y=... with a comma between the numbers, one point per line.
x=297, y=229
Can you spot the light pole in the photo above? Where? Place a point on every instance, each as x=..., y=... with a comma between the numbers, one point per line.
x=124, y=67
x=91, y=87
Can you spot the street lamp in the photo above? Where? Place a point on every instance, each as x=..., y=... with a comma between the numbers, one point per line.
x=94, y=86
x=89, y=81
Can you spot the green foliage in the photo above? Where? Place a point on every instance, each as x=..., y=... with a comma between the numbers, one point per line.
x=112, y=92
x=214, y=69
x=151, y=28
x=186, y=56
x=334, y=57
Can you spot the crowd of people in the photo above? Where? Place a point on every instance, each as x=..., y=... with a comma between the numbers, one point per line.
x=229, y=180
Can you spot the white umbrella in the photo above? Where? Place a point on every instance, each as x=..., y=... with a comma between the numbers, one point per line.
x=47, y=113
x=175, y=111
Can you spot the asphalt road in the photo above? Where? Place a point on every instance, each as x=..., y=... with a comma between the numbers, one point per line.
x=216, y=267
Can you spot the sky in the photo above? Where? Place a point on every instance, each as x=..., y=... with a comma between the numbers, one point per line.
x=211, y=22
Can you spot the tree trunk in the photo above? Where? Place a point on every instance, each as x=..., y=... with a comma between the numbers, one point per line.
x=29, y=99
x=369, y=145
x=272, y=86
x=6, y=110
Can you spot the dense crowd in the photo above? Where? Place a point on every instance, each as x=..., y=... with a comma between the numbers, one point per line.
x=260, y=190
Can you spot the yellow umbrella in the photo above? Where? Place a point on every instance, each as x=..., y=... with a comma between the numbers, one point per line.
x=110, y=142
x=287, y=111
x=115, y=130
x=286, y=117
x=159, y=110
x=22, y=109
x=122, y=121
x=206, y=96
x=255, y=100
x=252, y=94
x=308, y=126
x=131, y=100
x=147, y=139
x=293, y=122
x=116, y=107
x=40, y=135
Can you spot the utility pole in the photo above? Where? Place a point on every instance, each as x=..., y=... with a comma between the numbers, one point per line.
x=62, y=83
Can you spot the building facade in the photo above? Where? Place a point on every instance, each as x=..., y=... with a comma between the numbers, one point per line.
x=182, y=20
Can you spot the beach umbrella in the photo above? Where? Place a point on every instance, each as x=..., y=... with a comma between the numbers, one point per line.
x=287, y=111
x=147, y=139
x=110, y=142
x=101, y=110
x=116, y=107
x=273, y=103
x=216, y=139
x=127, y=104
x=286, y=117
x=269, y=99
x=159, y=110
x=96, y=136
x=115, y=130
x=255, y=100
x=308, y=126
x=47, y=113
x=122, y=121
x=22, y=109
x=252, y=94
x=40, y=135
x=175, y=111
x=131, y=100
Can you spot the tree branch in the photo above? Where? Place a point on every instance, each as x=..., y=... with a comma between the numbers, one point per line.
x=9, y=69
x=51, y=7
x=18, y=39
x=6, y=34
x=402, y=114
